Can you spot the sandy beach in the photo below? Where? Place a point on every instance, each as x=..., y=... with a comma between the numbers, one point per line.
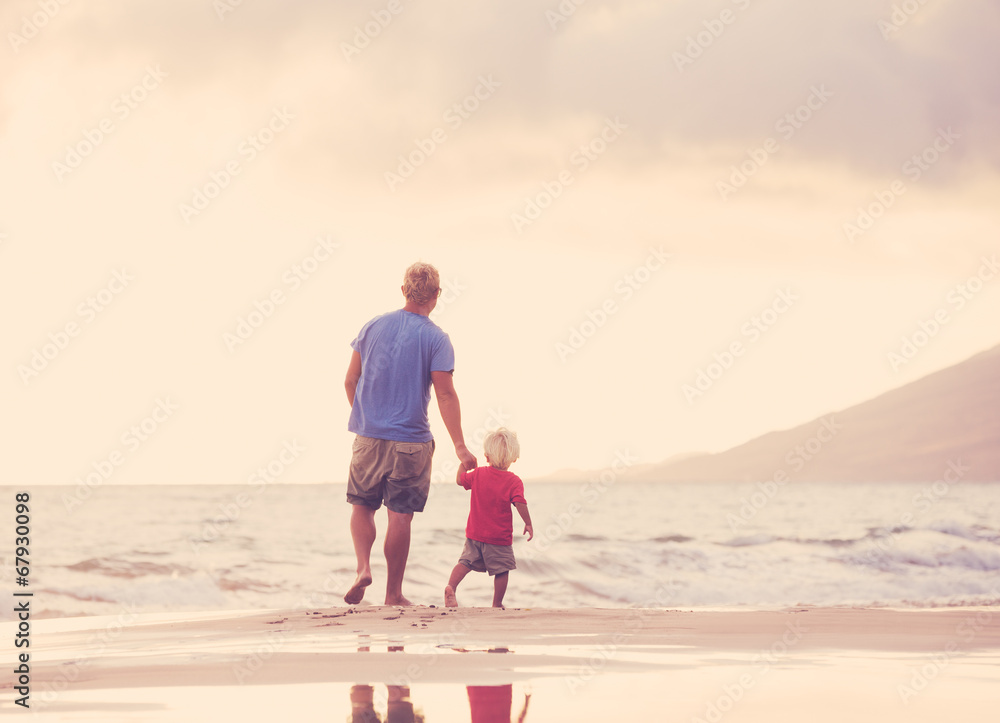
x=581, y=664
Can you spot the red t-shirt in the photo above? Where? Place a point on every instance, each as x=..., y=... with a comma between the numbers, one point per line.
x=493, y=492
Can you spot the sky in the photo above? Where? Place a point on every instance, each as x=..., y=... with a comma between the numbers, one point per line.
x=661, y=227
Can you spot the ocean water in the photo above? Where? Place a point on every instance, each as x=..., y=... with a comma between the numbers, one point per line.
x=218, y=547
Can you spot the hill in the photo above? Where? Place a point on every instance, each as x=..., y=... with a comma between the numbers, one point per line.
x=945, y=423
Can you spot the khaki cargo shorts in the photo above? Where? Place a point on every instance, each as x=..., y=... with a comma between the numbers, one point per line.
x=484, y=557
x=397, y=472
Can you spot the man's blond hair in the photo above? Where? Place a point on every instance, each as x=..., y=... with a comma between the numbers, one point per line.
x=502, y=447
x=421, y=283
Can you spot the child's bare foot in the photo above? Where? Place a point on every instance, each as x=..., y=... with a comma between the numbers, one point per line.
x=449, y=597
x=399, y=601
x=357, y=592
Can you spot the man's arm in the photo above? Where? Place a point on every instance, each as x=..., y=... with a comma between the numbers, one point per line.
x=451, y=413
x=353, y=376
x=522, y=509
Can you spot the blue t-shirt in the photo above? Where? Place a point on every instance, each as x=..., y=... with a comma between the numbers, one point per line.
x=399, y=350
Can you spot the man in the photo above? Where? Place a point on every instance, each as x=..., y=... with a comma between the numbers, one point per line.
x=397, y=358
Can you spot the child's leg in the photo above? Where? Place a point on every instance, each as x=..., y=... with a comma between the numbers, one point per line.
x=458, y=574
x=499, y=588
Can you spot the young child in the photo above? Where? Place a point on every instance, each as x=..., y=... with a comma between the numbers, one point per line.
x=490, y=530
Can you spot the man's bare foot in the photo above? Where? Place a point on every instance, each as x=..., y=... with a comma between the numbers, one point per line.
x=449, y=597
x=499, y=606
x=357, y=592
x=399, y=601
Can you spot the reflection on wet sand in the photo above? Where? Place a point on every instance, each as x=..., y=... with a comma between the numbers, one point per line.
x=492, y=703
x=487, y=703
x=399, y=708
x=363, y=705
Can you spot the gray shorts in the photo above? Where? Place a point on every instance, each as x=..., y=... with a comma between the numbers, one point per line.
x=398, y=472
x=484, y=557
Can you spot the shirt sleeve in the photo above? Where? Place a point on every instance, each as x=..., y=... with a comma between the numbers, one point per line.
x=360, y=338
x=466, y=479
x=517, y=491
x=443, y=355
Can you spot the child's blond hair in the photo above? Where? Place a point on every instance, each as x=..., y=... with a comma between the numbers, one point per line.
x=502, y=447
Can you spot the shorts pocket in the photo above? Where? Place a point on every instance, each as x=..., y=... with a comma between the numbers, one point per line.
x=409, y=461
x=364, y=456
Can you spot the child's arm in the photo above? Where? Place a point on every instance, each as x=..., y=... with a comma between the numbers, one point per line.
x=462, y=470
x=522, y=509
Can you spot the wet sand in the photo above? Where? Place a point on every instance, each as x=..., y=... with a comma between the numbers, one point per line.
x=582, y=664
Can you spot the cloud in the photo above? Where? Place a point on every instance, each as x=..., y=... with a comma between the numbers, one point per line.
x=355, y=117
x=739, y=78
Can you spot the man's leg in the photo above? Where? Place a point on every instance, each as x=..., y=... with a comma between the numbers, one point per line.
x=499, y=588
x=457, y=575
x=397, y=549
x=363, y=533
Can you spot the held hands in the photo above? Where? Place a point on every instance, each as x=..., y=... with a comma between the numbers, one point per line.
x=467, y=460
x=529, y=531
